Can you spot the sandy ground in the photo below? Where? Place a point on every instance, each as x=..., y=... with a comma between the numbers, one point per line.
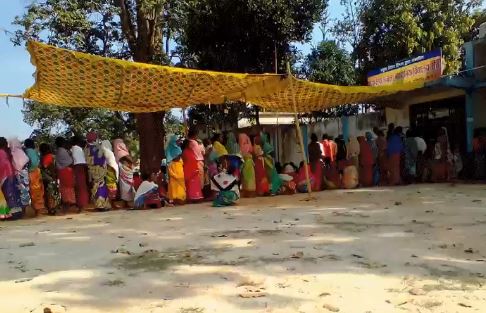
x=407, y=249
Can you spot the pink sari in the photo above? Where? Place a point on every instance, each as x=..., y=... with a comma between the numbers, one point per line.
x=191, y=175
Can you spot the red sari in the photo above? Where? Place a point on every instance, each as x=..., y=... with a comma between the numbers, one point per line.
x=66, y=185
x=82, y=192
x=191, y=175
x=366, y=163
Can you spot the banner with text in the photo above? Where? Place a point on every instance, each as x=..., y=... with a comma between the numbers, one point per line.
x=425, y=67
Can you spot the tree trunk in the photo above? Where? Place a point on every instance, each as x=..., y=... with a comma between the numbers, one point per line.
x=150, y=128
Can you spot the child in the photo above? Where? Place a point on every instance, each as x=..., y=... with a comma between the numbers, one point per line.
x=147, y=195
x=177, y=186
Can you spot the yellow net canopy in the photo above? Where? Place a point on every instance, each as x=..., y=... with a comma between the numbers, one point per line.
x=75, y=79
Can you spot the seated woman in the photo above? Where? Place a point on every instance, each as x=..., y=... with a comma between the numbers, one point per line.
x=302, y=179
x=147, y=195
x=288, y=177
x=226, y=186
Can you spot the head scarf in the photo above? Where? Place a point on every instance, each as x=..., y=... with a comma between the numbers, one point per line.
x=245, y=144
x=219, y=149
x=369, y=136
x=173, y=150
x=20, y=159
x=120, y=149
x=91, y=137
x=266, y=146
x=109, y=156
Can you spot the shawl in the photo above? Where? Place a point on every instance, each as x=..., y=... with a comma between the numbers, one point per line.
x=144, y=188
x=231, y=145
x=110, y=156
x=63, y=158
x=245, y=144
x=120, y=149
x=19, y=158
x=198, y=149
x=34, y=158
x=173, y=150
x=266, y=146
x=352, y=147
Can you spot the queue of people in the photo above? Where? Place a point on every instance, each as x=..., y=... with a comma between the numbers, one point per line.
x=90, y=172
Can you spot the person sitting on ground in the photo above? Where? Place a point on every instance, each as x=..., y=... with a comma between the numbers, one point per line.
x=147, y=195
x=226, y=186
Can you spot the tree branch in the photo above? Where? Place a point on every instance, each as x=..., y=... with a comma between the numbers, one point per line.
x=127, y=26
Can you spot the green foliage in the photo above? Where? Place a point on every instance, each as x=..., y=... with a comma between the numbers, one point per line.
x=329, y=64
x=53, y=120
x=392, y=30
x=242, y=36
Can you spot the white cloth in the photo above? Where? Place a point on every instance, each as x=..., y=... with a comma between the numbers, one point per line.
x=78, y=155
x=223, y=181
x=421, y=145
x=110, y=156
x=144, y=188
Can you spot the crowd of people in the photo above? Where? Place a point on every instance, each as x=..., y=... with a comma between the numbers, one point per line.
x=89, y=172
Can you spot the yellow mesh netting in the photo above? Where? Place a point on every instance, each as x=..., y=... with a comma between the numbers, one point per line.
x=75, y=79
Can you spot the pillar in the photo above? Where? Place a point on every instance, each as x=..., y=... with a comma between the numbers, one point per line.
x=469, y=106
x=345, y=121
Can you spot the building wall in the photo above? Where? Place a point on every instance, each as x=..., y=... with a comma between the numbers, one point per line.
x=480, y=109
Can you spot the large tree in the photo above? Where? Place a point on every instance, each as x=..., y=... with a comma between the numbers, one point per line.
x=130, y=29
x=252, y=36
x=392, y=30
x=245, y=35
x=328, y=63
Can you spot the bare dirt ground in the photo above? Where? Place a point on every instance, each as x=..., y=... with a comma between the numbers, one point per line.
x=419, y=248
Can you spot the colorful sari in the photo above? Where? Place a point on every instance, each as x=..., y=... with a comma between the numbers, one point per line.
x=127, y=192
x=147, y=196
x=315, y=155
x=51, y=187
x=112, y=169
x=302, y=179
x=198, y=150
x=65, y=174
x=35, y=178
x=272, y=175
x=81, y=185
x=97, y=170
x=177, y=187
x=10, y=204
x=248, y=185
x=20, y=163
x=191, y=175
x=262, y=185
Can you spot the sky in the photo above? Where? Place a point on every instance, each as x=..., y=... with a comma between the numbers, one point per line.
x=16, y=71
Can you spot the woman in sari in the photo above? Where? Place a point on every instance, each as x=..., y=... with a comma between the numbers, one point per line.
x=10, y=203
x=112, y=171
x=49, y=179
x=125, y=164
x=198, y=149
x=272, y=175
x=175, y=168
x=395, y=150
x=80, y=172
x=20, y=162
x=302, y=178
x=248, y=185
x=382, y=156
x=234, y=156
x=352, y=152
x=35, y=177
x=315, y=157
x=261, y=179
x=97, y=169
x=64, y=162
x=147, y=195
x=366, y=162
x=411, y=154
x=191, y=174
x=442, y=164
